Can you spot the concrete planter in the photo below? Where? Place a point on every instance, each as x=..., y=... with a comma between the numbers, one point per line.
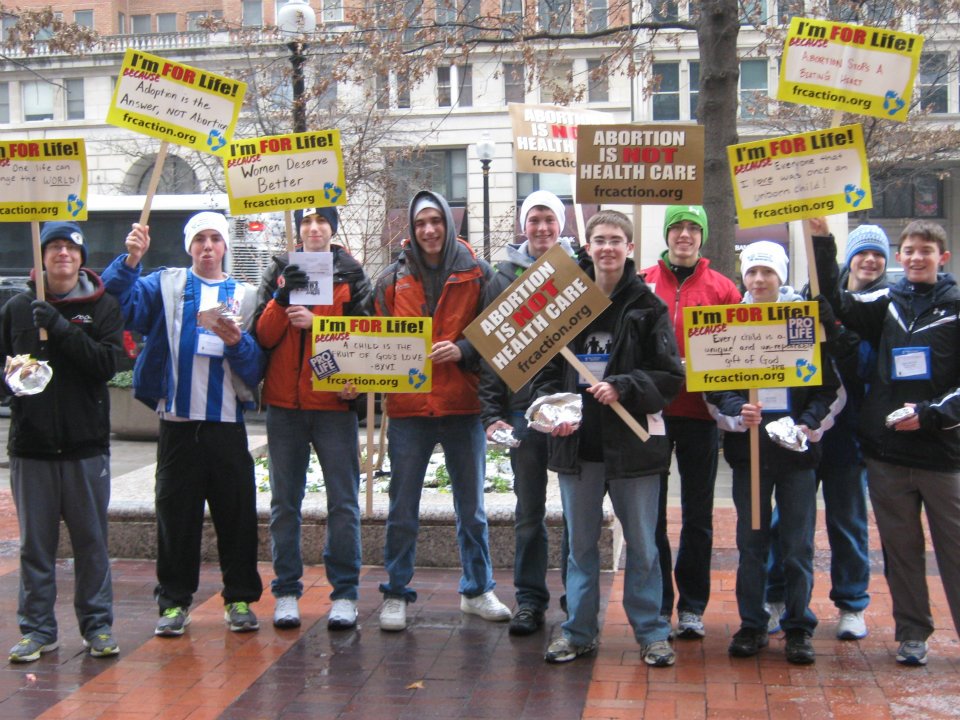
x=130, y=418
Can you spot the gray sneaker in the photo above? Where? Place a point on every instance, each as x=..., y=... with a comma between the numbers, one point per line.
x=173, y=621
x=912, y=652
x=563, y=650
x=240, y=617
x=658, y=654
x=690, y=626
x=102, y=644
x=30, y=649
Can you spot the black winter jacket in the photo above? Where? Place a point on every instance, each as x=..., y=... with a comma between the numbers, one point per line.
x=887, y=320
x=70, y=419
x=645, y=369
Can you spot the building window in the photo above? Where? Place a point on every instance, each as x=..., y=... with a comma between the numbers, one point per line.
x=37, y=100
x=121, y=23
x=665, y=10
x=511, y=7
x=598, y=82
x=455, y=86
x=753, y=88
x=252, y=13
x=411, y=14
x=176, y=178
x=666, y=96
x=596, y=15
x=694, y=89
x=393, y=90
x=403, y=90
x=332, y=11
x=74, y=88
x=556, y=81
x=933, y=82
x=442, y=171
x=556, y=183
x=4, y=102
x=83, y=18
x=555, y=15
x=789, y=9
x=167, y=22
x=140, y=24
x=753, y=12
x=9, y=22
x=194, y=19
x=919, y=196
x=514, y=83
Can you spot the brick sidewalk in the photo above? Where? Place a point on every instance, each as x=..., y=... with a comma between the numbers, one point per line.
x=450, y=666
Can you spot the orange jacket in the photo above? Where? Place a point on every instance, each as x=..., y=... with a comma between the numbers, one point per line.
x=399, y=293
x=289, y=379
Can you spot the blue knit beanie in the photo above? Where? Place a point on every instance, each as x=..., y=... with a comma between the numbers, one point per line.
x=867, y=237
x=328, y=213
x=63, y=230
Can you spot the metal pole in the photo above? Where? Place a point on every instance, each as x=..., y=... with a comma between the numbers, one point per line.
x=486, y=209
x=297, y=60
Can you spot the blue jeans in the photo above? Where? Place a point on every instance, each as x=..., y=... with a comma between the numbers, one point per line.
x=796, y=497
x=333, y=436
x=845, y=508
x=635, y=505
x=696, y=445
x=412, y=441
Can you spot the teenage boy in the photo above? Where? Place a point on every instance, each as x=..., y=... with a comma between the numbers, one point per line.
x=602, y=455
x=542, y=219
x=784, y=473
x=437, y=275
x=913, y=459
x=199, y=377
x=59, y=443
x=298, y=418
x=683, y=278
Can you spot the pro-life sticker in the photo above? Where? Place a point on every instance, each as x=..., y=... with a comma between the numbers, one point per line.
x=324, y=364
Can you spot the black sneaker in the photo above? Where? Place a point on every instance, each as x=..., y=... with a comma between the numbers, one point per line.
x=748, y=642
x=526, y=621
x=799, y=648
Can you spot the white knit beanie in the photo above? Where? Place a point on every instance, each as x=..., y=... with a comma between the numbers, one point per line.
x=764, y=253
x=205, y=221
x=546, y=199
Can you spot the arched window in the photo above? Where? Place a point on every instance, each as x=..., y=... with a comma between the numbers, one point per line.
x=177, y=178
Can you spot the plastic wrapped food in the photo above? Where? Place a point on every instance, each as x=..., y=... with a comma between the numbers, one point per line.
x=547, y=412
x=898, y=415
x=785, y=433
x=26, y=375
x=503, y=436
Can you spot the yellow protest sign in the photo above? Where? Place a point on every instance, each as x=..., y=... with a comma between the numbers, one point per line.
x=376, y=354
x=175, y=102
x=285, y=172
x=847, y=67
x=545, y=136
x=536, y=317
x=640, y=164
x=43, y=180
x=757, y=345
x=800, y=176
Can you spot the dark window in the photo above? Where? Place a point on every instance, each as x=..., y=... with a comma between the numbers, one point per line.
x=908, y=197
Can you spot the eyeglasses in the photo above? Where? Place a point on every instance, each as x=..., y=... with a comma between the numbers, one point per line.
x=600, y=242
x=688, y=227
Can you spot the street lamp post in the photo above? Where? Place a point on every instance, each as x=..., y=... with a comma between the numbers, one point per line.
x=296, y=19
x=485, y=151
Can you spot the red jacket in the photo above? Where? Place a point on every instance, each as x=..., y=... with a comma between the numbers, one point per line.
x=289, y=379
x=704, y=287
x=399, y=293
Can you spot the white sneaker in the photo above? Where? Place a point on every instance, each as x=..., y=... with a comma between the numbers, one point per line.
x=286, y=613
x=343, y=614
x=851, y=625
x=776, y=611
x=393, y=614
x=486, y=606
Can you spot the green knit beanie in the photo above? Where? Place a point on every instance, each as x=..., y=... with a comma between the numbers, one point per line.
x=692, y=213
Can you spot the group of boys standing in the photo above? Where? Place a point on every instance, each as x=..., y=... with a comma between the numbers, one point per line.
x=201, y=376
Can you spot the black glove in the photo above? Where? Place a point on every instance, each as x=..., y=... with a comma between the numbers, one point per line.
x=47, y=316
x=293, y=278
x=830, y=325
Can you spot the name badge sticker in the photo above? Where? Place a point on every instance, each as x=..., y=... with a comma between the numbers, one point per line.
x=911, y=363
x=774, y=399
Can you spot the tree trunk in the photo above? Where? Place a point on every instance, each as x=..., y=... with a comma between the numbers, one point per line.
x=717, y=110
